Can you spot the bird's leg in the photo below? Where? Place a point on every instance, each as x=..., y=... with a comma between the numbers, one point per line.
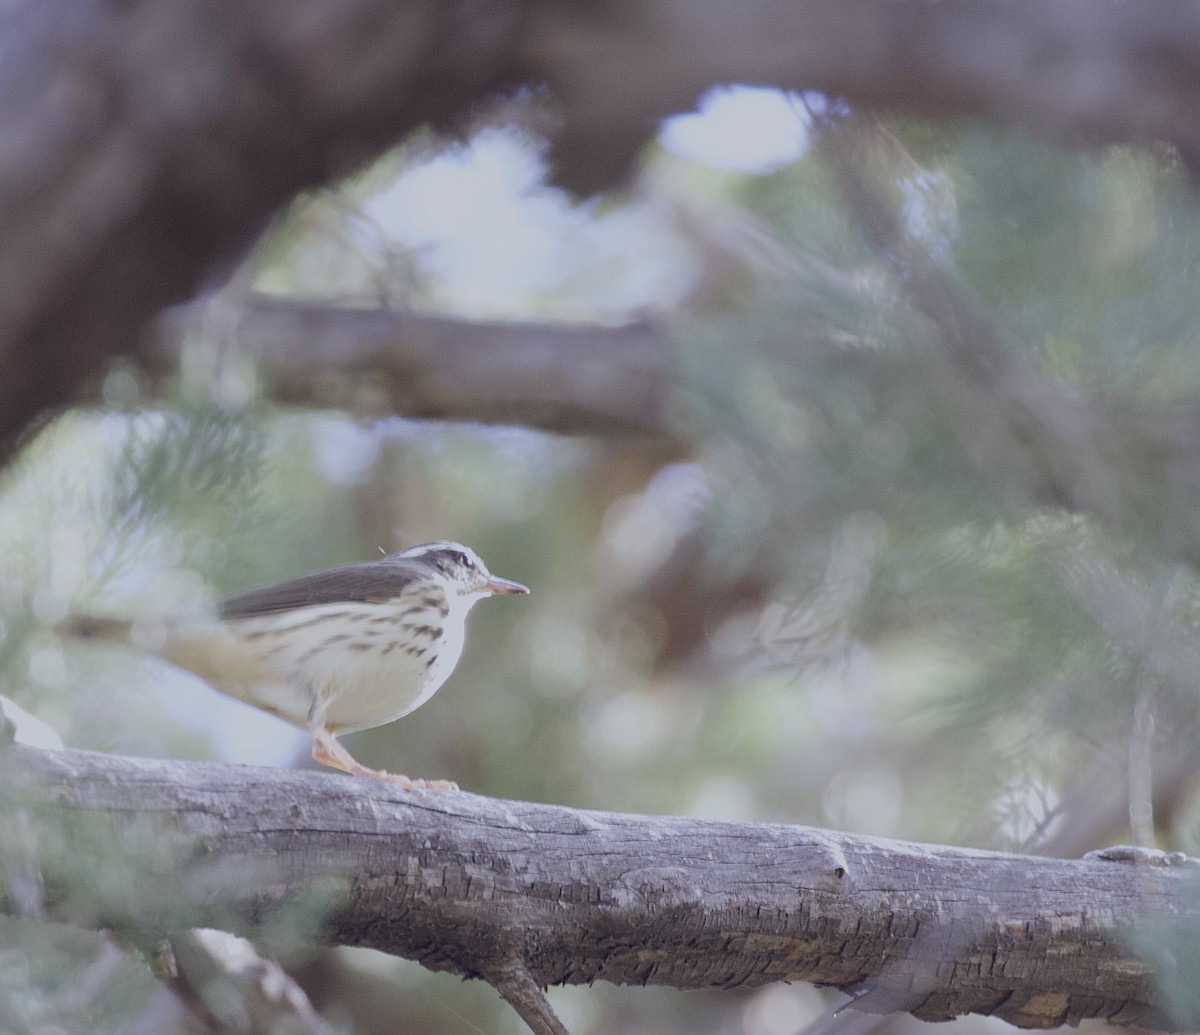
x=327, y=751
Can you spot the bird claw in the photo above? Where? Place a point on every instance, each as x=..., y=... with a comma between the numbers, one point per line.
x=433, y=785
x=328, y=751
x=407, y=783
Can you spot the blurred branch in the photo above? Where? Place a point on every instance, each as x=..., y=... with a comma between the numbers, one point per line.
x=1093, y=807
x=1031, y=436
x=221, y=977
x=483, y=887
x=140, y=154
x=1071, y=68
x=571, y=378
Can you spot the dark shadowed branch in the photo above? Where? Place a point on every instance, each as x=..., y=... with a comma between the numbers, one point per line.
x=572, y=378
x=141, y=155
x=491, y=888
x=1072, y=69
x=142, y=152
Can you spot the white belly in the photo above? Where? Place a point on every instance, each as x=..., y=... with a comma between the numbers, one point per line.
x=353, y=665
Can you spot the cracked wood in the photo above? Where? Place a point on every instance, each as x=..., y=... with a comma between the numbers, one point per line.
x=478, y=886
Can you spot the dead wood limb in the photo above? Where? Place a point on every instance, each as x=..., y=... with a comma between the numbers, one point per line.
x=569, y=378
x=460, y=883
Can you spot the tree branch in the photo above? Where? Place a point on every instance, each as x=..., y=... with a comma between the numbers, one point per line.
x=141, y=154
x=1028, y=433
x=522, y=993
x=1070, y=68
x=572, y=378
x=221, y=976
x=471, y=885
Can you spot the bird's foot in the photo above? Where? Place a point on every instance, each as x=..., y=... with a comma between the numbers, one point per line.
x=408, y=783
x=328, y=751
x=1141, y=856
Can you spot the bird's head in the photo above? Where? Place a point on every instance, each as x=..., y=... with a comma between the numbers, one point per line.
x=459, y=569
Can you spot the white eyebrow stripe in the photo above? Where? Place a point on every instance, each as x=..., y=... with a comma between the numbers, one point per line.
x=442, y=546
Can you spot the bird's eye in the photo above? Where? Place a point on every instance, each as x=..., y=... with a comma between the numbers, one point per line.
x=462, y=560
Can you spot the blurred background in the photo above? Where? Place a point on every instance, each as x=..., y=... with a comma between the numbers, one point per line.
x=913, y=553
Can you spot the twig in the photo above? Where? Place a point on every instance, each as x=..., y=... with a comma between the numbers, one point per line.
x=518, y=988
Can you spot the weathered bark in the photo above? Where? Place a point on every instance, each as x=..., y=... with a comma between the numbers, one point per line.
x=489, y=888
x=143, y=148
x=571, y=378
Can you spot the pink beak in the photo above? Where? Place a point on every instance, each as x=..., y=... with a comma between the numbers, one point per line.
x=498, y=586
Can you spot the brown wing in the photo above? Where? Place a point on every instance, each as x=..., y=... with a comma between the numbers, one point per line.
x=374, y=580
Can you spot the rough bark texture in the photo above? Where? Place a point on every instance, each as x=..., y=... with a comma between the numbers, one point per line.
x=559, y=377
x=490, y=888
x=144, y=146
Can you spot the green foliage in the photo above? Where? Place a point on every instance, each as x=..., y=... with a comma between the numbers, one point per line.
x=178, y=476
x=848, y=456
x=123, y=879
x=119, y=513
x=58, y=978
x=1173, y=951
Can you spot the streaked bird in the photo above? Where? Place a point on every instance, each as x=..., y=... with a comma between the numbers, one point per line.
x=337, y=651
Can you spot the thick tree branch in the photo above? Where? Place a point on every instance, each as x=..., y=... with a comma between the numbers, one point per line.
x=573, y=378
x=139, y=154
x=478, y=886
x=1070, y=68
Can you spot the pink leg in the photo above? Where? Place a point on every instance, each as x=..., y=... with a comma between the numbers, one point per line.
x=328, y=751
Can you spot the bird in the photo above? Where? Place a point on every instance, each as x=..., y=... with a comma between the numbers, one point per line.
x=334, y=652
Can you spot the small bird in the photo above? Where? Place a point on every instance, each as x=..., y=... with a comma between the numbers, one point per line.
x=337, y=651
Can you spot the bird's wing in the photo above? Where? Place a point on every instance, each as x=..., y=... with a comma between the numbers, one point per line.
x=347, y=584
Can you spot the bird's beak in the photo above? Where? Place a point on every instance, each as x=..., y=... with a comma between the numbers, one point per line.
x=497, y=586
